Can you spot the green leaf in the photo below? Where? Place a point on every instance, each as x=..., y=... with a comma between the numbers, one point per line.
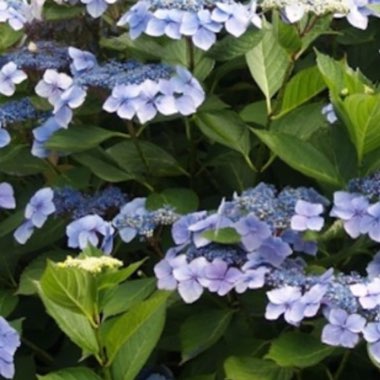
x=202, y=330
x=268, y=63
x=17, y=160
x=301, y=88
x=76, y=373
x=295, y=349
x=8, y=36
x=129, y=325
x=70, y=288
x=226, y=235
x=133, y=336
x=231, y=47
x=8, y=302
x=302, y=122
x=226, y=128
x=127, y=295
x=142, y=48
x=255, y=113
x=34, y=271
x=76, y=326
x=301, y=156
x=248, y=368
x=147, y=159
x=177, y=52
x=183, y=200
x=79, y=138
x=286, y=34
x=10, y=223
x=340, y=78
x=320, y=27
x=54, y=12
x=361, y=113
x=111, y=279
x=101, y=166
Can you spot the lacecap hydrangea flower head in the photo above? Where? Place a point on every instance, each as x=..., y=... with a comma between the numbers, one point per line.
x=198, y=20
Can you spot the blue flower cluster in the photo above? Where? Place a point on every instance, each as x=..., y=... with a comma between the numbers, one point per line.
x=13, y=112
x=199, y=20
x=260, y=257
x=135, y=220
x=73, y=203
x=39, y=56
x=9, y=342
x=91, y=217
x=137, y=89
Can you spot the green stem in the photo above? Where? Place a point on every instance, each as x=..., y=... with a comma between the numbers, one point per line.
x=192, y=148
x=190, y=54
x=135, y=140
x=342, y=365
x=43, y=355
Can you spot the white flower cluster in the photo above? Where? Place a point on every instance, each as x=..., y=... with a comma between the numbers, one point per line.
x=92, y=265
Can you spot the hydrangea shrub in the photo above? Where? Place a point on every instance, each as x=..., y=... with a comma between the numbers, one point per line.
x=189, y=189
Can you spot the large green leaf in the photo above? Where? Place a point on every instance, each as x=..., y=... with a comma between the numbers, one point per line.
x=248, y=368
x=183, y=200
x=79, y=138
x=268, y=63
x=177, y=53
x=71, y=288
x=34, y=271
x=8, y=36
x=134, y=335
x=295, y=349
x=226, y=128
x=340, y=78
x=200, y=331
x=301, y=156
x=231, y=47
x=133, y=324
x=101, y=166
x=78, y=373
x=146, y=158
x=76, y=326
x=8, y=302
x=301, y=88
x=361, y=113
x=302, y=122
x=127, y=295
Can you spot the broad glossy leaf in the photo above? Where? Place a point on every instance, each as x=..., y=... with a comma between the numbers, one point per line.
x=231, y=47
x=79, y=138
x=8, y=302
x=202, y=330
x=361, y=114
x=34, y=271
x=132, y=336
x=147, y=159
x=102, y=167
x=226, y=128
x=249, y=368
x=70, y=288
x=226, y=235
x=301, y=88
x=127, y=295
x=268, y=63
x=75, y=326
x=295, y=349
x=76, y=373
x=183, y=200
x=301, y=156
